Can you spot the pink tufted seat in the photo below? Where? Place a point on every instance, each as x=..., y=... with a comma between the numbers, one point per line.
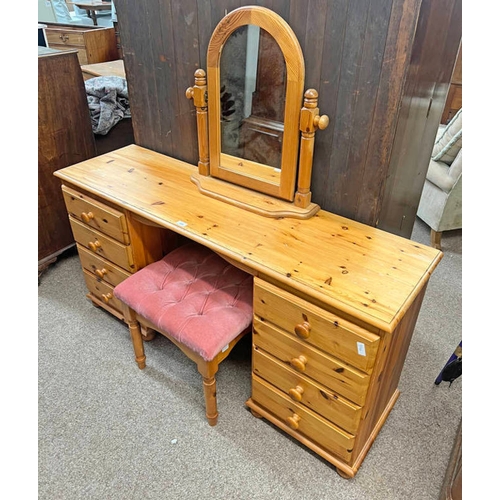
x=196, y=299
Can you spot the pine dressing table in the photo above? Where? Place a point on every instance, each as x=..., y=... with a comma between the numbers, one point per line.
x=335, y=301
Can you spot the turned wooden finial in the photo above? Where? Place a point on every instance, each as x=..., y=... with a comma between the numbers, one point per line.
x=311, y=102
x=199, y=95
x=310, y=98
x=200, y=77
x=310, y=121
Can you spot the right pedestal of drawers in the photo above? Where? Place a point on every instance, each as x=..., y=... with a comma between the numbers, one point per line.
x=328, y=380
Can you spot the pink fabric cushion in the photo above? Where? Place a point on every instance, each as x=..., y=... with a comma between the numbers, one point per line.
x=193, y=295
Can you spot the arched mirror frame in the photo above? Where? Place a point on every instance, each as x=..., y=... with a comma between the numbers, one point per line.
x=237, y=170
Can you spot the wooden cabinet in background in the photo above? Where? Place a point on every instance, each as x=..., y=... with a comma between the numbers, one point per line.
x=94, y=44
x=64, y=138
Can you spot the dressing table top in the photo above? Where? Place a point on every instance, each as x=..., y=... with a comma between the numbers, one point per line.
x=356, y=269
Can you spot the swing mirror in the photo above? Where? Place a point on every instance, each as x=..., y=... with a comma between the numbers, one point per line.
x=255, y=72
x=249, y=111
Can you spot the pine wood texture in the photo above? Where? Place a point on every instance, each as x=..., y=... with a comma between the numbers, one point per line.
x=102, y=245
x=310, y=121
x=347, y=266
x=328, y=371
x=292, y=53
x=108, y=68
x=252, y=200
x=325, y=331
x=110, y=245
x=280, y=337
x=96, y=215
x=207, y=369
x=199, y=95
x=304, y=390
x=335, y=301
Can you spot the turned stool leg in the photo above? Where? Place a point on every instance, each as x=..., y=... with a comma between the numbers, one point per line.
x=210, y=400
x=135, y=333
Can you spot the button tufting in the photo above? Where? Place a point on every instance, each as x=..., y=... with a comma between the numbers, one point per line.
x=194, y=295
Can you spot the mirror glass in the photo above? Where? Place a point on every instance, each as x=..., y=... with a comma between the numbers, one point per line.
x=252, y=98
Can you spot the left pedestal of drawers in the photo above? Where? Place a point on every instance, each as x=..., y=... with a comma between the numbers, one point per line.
x=103, y=241
x=112, y=244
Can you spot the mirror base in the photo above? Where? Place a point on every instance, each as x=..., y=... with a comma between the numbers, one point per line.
x=267, y=206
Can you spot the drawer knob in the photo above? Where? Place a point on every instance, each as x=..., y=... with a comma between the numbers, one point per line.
x=296, y=393
x=64, y=38
x=95, y=245
x=87, y=217
x=106, y=297
x=299, y=363
x=293, y=421
x=303, y=330
x=101, y=272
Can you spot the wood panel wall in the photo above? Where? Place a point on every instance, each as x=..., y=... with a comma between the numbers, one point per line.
x=374, y=63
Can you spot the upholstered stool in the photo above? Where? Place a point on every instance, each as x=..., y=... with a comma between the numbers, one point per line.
x=196, y=299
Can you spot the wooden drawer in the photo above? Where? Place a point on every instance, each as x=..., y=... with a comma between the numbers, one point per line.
x=102, y=245
x=337, y=376
x=317, y=327
x=102, y=291
x=307, y=392
x=101, y=268
x=96, y=215
x=302, y=420
x=95, y=44
x=64, y=38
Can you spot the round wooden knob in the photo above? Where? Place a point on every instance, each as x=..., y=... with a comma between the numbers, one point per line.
x=101, y=272
x=87, y=217
x=299, y=363
x=106, y=297
x=189, y=92
x=303, y=330
x=95, y=245
x=321, y=121
x=296, y=393
x=293, y=421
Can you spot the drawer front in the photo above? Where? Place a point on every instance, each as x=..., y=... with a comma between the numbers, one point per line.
x=342, y=379
x=101, y=268
x=317, y=327
x=103, y=246
x=307, y=392
x=96, y=215
x=102, y=291
x=302, y=420
x=62, y=37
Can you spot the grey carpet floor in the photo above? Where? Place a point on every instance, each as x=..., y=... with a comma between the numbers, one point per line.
x=107, y=430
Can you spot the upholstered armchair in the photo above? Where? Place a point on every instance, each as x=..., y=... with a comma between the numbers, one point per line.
x=441, y=201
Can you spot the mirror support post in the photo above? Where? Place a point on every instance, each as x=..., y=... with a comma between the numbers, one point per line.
x=199, y=95
x=310, y=121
